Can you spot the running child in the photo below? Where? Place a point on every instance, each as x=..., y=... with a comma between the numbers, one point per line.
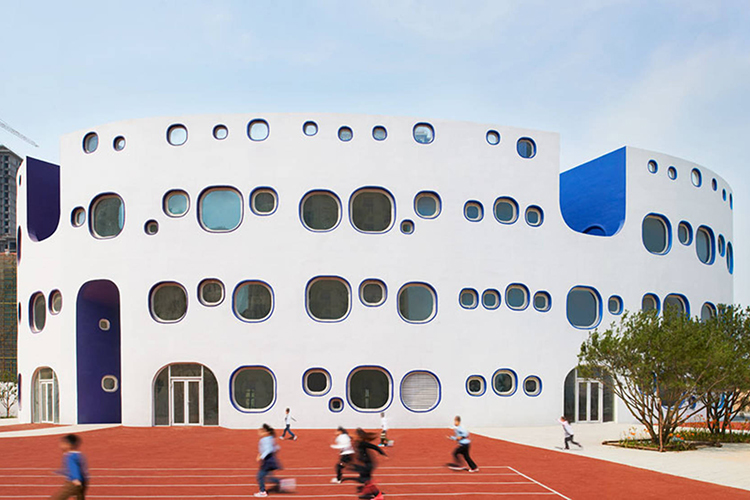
x=346, y=452
x=288, y=426
x=74, y=469
x=383, y=430
x=461, y=435
x=568, y=430
x=267, y=449
x=366, y=465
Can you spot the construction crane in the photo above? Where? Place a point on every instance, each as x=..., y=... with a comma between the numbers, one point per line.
x=17, y=133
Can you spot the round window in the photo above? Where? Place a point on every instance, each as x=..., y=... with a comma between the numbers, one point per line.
x=379, y=133
x=346, y=134
x=317, y=382
x=258, y=130
x=110, y=383
x=493, y=137
x=151, y=227
x=310, y=129
x=423, y=133
x=211, y=292
x=177, y=135
x=90, y=142
x=119, y=143
x=221, y=132
x=55, y=302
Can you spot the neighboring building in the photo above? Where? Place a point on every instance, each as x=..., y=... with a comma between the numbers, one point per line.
x=8, y=318
x=9, y=163
x=211, y=269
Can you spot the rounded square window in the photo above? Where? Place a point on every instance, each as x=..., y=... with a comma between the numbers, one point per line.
x=168, y=302
x=119, y=143
x=614, y=305
x=328, y=298
x=253, y=389
x=473, y=211
x=78, y=217
x=110, y=383
x=177, y=135
x=677, y=303
x=407, y=226
x=542, y=301
x=583, y=307
x=505, y=382
x=650, y=302
x=38, y=312
x=258, y=130
x=427, y=205
x=696, y=178
x=211, y=292
x=493, y=137
x=369, y=389
x=526, y=147
x=253, y=301
x=417, y=302
x=107, y=216
x=372, y=292
x=379, y=133
x=90, y=142
x=708, y=311
x=316, y=382
x=653, y=167
x=534, y=216
x=263, y=201
x=517, y=297
x=151, y=227
x=310, y=128
x=704, y=245
x=176, y=203
x=730, y=258
x=491, y=299
x=506, y=210
x=656, y=234
x=371, y=210
x=721, y=245
x=532, y=385
x=685, y=233
x=475, y=385
x=320, y=211
x=672, y=173
x=468, y=298
x=336, y=405
x=220, y=209
x=346, y=134
x=220, y=132
x=423, y=133
x=55, y=302
x=420, y=391
x=104, y=325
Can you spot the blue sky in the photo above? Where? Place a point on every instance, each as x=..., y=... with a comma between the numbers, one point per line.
x=671, y=76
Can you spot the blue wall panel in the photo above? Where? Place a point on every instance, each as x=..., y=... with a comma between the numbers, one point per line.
x=42, y=198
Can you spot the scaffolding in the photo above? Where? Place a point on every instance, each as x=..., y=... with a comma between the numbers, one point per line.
x=8, y=315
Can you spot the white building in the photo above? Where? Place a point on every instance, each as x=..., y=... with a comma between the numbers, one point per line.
x=218, y=269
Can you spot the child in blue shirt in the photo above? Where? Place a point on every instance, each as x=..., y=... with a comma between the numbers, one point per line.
x=74, y=469
x=461, y=435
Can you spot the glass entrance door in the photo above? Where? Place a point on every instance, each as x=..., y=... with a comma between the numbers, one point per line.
x=46, y=401
x=589, y=399
x=187, y=403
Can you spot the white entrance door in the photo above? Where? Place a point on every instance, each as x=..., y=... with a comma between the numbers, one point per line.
x=187, y=401
x=589, y=398
x=47, y=401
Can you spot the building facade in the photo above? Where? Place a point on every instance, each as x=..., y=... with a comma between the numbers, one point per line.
x=9, y=164
x=229, y=266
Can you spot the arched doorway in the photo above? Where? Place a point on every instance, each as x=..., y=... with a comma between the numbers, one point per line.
x=45, y=397
x=186, y=394
x=587, y=400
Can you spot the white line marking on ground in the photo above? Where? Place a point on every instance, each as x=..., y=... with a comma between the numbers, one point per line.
x=540, y=484
x=98, y=476
x=183, y=497
x=245, y=468
x=243, y=485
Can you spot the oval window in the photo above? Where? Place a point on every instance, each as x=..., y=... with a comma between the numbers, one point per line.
x=708, y=311
x=90, y=142
x=676, y=302
x=656, y=234
x=730, y=258
x=317, y=382
x=473, y=211
x=532, y=385
x=685, y=233
x=320, y=211
x=371, y=210
x=526, y=147
x=176, y=203
x=493, y=137
x=372, y=292
x=310, y=128
x=107, y=216
x=369, y=389
x=379, y=133
x=696, y=177
x=653, y=167
x=263, y=201
x=704, y=245
x=55, y=302
x=211, y=292
x=328, y=298
x=542, y=301
x=253, y=389
x=475, y=385
x=258, y=130
x=650, y=302
x=151, y=227
x=336, y=405
x=78, y=217
x=517, y=297
x=346, y=134
x=177, y=135
x=109, y=383
x=672, y=173
x=407, y=226
x=168, y=302
x=506, y=210
x=423, y=133
x=220, y=209
x=721, y=245
x=38, y=312
x=119, y=143
x=615, y=305
x=220, y=132
x=427, y=205
x=253, y=301
x=534, y=216
x=417, y=302
x=468, y=298
x=583, y=307
x=504, y=382
x=491, y=299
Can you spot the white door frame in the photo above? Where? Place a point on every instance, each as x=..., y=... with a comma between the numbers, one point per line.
x=186, y=399
x=600, y=400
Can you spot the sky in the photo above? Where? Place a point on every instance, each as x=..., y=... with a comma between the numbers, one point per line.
x=668, y=76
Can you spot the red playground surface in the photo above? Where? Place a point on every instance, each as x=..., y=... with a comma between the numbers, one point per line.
x=217, y=463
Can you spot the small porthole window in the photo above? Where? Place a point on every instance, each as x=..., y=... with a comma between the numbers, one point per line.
x=653, y=167
x=372, y=292
x=517, y=297
x=417, y=302
x=151, y=227
x=310, y=128
x=336, y=405
x=493, y=137
x=491, y=299
x=542, y=301
x=119, y=143
x=468, y=298
x=346, y=134
x=176, y=203
x=721, y=245
x=263, y=201
x=37, y=312
x=90, y=142
x=614, y=305
x=708, y=311
x=506, y=210
x=704, y=245
x=78, y=217
x=407, y=227
x=714, y=185
x=677, y=302
x=532, y=385
x=109, y=383
x=107, y=216
x=656, y=234
x=473, y=211
x=258, y=130
x=526, y=147
x=685, y=233
x=534, y=216
x=475, y=385
x=379, y=133
x=220, y=132
x=55, y=302
x=177, y=135
x=724, y=194
x=730, y=258
x=504, y=382
x=104, y=325
x=168, y=302
x=427, y=205
x=731, y=202
x=650, y=302
x=317, y=382
x=423, y=133
x=253, y=301
x=211, y=292
x=672, y=173
x=696, y=177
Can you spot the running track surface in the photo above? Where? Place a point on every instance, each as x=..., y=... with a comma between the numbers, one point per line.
x=217, y=463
